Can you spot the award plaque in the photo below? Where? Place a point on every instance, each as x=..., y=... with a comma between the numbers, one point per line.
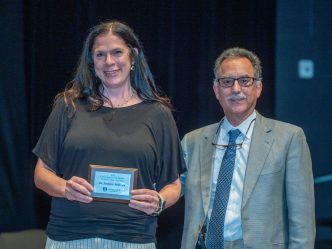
x=112, y=183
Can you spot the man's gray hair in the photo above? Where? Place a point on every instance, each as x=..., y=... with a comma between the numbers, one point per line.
x=239, y=53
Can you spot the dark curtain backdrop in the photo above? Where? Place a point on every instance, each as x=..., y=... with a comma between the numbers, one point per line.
x=181, y=40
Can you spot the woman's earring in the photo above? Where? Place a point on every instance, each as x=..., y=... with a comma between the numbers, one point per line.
x=132, y=67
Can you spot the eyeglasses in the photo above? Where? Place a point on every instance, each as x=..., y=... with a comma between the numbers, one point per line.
x=225, y=146
x=229, y=81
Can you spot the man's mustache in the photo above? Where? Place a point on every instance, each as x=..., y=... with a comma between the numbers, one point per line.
x=236, y=97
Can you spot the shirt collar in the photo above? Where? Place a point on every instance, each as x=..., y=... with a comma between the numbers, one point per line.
x=226, y=126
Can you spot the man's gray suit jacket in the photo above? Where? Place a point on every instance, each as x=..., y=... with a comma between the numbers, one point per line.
x=278, y=208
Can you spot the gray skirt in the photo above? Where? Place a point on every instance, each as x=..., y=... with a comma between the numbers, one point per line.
x=95, y=243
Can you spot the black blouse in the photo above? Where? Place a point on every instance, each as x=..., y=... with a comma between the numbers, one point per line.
x=142, y=136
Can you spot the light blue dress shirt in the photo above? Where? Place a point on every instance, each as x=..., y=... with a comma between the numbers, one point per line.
x=232, y=226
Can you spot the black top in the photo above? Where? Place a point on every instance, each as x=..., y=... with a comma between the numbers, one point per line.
x=142, y=136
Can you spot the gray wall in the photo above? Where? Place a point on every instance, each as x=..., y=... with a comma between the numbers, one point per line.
x=303, y=94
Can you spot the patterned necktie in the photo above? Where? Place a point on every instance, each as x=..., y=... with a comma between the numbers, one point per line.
x=215, y=233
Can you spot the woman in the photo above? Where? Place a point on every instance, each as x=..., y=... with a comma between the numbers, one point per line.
x=110, y=114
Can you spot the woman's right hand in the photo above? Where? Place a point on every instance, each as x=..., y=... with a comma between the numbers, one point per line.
x=78, y=189
x=75, y=189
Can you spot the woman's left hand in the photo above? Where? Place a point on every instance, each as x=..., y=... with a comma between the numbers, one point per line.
x=145, y=200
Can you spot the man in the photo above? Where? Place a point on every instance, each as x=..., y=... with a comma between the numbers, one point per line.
x=249, y=181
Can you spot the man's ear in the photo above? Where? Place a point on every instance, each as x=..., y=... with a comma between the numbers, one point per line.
x=259, y=87
x=216, y=90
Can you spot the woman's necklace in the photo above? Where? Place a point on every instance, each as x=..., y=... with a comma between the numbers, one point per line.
x=125, y=102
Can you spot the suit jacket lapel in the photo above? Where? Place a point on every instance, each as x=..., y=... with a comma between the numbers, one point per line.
x=206, y=162
x=259, y=149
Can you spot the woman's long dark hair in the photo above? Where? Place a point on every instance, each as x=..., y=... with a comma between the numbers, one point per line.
x=86, y=85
